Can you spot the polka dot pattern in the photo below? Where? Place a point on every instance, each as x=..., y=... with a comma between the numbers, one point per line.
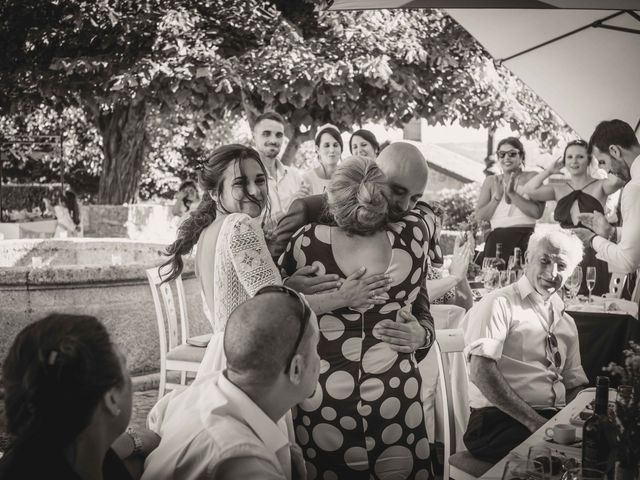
x=365, y=418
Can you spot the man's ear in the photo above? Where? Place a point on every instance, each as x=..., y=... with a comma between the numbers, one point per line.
x=110, y=399
x=296, y=367
x=615, y=151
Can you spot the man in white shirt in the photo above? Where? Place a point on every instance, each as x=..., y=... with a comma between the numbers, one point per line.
x=616, y=146
x=236, y=423
x=285, y=182
x=523, y=350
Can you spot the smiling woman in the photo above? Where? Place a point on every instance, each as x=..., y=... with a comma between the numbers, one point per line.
x=503, y=202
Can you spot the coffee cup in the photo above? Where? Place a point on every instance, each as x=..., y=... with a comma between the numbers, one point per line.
x=562, y=433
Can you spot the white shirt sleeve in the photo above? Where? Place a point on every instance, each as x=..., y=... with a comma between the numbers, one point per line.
x=487, y=328
x=624, y=257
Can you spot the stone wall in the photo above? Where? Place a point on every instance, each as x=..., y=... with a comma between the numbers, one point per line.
x=147, y=222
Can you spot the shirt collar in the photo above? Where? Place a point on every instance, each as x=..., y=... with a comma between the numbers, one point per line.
x=241, y=407
x=526, y=289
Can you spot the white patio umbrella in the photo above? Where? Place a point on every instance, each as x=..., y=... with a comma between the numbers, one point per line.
x=584, y=63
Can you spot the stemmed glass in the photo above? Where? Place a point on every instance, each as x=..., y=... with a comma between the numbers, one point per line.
x=523, y=469
x=591, y=280
x=573, y=282
x=583, y=474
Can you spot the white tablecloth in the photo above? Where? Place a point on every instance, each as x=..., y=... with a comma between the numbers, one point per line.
x=445, y=317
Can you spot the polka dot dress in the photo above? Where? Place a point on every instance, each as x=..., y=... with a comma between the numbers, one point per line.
x=365, y=419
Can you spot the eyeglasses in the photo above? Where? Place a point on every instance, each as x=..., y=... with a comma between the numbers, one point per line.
x=553, y=353
x=304, y=319
x=508, y=153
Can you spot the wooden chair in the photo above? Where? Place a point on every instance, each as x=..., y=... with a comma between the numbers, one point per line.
x=175, y=353
x=457, y=465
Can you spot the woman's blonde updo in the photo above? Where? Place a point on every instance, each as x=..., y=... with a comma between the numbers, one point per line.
x=357, y=197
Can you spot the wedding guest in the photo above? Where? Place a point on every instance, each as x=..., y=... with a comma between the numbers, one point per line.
x=406, y=172
x=366, y=417
x=502, y=202
x=616, y=146
x=285, y=182
x=329, y=149
x=67, y=400
x=580, y=193
x=233, y=424
x=66, y=210
x=523, y=350
x=363, y=143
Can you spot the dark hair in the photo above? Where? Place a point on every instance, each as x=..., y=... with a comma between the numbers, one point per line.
x=186, y=184
x=368, y=136
x=210, y=179
x=613, y=132
x=330, y=131
x=55, y=374
x=515, y=143
x=70, y=201
x=275, y=116
x=356, y=196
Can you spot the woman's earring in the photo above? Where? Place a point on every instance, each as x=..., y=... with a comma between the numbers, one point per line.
x=213, y=197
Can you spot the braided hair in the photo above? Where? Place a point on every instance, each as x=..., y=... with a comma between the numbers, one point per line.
x=210, y=179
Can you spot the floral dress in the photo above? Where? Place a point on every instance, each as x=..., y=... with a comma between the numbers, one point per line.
x=365, y=419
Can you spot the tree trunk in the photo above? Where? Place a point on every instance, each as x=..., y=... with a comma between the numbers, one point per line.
x=295, y=140
x=488, y=160
x=123, y=144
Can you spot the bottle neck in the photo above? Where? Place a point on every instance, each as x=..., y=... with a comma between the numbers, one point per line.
x=602, y=400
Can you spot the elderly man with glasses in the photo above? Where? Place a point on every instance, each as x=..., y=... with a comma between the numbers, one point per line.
x=236, y=423
x=523, y=351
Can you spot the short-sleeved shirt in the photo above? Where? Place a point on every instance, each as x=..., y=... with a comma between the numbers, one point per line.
x=510, y=326
x=283, y=188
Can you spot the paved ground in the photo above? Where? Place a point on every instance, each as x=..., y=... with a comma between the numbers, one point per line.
x=142, y=403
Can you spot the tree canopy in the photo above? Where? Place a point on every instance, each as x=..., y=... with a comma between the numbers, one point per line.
x=130, y=64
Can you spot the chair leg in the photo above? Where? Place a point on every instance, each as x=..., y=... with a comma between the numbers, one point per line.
x=183, y=377
x=163, y=380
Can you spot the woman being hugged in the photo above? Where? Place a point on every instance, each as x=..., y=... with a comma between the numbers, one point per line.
x=503, y=202
x=366, y=417
x=580, y=193
x=232, y=258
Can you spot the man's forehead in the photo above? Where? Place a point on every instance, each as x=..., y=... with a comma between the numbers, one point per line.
x=270, y=125
x=552, y=252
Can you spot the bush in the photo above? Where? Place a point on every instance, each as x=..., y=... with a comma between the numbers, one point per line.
x=25, y=197
x=458, y=206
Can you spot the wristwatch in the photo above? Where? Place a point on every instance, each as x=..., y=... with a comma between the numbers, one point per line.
x=137, y=443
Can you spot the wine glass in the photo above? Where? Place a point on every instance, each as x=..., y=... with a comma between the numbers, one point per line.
x=488, y=262
x=573, y=282
x=591, y=280
x=543, y=455
x=491, y=278
x=580, y=473
x=523, y=469
x=511, y=262
x=504, y=278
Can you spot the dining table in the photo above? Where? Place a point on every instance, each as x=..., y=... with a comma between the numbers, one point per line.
x=564, y=416
x=604, y=333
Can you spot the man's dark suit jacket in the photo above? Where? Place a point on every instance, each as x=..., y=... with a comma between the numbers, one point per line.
x=313, y=209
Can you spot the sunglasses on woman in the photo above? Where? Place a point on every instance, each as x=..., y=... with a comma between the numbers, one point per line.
x=304, y=317
x=509, y=153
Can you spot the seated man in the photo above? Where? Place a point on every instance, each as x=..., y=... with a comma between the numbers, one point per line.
x=523, y=351
x=232, y=424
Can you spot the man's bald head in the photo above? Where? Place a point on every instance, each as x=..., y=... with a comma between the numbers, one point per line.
x=260, y=335
x=407, y=172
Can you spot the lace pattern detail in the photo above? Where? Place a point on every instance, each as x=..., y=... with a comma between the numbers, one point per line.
x=243, y=265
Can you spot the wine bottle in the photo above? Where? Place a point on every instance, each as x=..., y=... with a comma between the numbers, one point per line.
x=596, y=446
x=499, y=263
x=517, y=263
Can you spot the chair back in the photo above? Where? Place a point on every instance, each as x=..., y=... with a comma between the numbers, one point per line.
x=166, y=312
x=447, y=341
x=616, y=285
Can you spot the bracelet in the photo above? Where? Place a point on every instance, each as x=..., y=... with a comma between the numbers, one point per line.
x=137, y=443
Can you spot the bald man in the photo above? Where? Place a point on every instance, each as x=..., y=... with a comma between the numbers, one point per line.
x=235, y=424
x=407, y=172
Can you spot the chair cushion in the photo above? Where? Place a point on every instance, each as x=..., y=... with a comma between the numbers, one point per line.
x=469, y=464
x=200, y=340
x=186, y=353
